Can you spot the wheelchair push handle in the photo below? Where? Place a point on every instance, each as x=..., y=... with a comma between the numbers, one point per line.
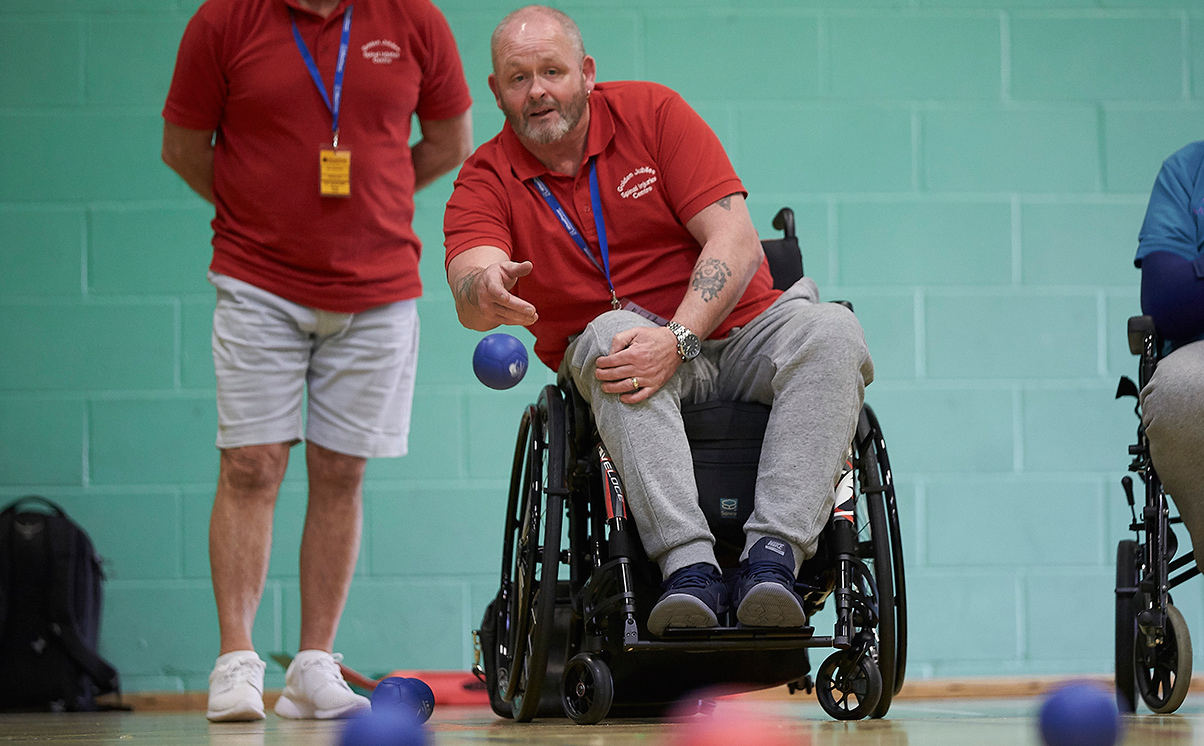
x=784, y=221
x=1143, y=341
x=1141, y=329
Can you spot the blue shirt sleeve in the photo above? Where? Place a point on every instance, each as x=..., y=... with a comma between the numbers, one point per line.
x=1173, y=294
x=1174, y=220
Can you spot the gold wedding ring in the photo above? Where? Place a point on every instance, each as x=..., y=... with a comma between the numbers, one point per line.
x=635, y=384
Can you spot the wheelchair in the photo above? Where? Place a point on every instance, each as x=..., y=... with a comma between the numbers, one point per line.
x=1153, y=647
x=566, y=634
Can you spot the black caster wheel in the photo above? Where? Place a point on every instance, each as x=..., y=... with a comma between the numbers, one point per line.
x=848, y=685
x=587, y=690
x=1164, y=669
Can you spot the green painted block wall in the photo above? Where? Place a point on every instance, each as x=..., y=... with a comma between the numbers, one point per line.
x=972, y=174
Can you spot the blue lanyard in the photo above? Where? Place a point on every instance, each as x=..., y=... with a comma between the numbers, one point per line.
x=338, y=69
x=599, y=225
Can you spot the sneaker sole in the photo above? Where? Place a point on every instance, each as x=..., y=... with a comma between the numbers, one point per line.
x=681, y=610
x=235, y=715
x=286, y=707
x=770, y=605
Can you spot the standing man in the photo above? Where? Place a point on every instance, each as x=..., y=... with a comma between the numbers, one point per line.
x=1170, y=254
x=607, y=218
x=316, y=268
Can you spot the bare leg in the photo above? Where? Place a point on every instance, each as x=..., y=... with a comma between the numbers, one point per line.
x=240, y=536
x=331, y=542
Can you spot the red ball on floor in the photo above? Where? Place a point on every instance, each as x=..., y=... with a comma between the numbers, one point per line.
x=730, y=723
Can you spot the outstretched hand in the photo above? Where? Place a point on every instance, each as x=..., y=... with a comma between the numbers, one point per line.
x=643, y=356
x=487, y=293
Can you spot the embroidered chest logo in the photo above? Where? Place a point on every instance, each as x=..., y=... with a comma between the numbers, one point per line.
x=381, y=51
x=1199, y=210
x=637, y=183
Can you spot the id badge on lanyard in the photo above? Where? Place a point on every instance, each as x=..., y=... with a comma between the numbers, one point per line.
x=334, y=176
x=334, y=162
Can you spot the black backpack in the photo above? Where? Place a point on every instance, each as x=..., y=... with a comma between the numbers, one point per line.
x=50, y=601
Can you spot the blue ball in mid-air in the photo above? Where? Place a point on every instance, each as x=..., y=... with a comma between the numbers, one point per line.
x=1080, y=714
x=500, y=361
x=410, y=697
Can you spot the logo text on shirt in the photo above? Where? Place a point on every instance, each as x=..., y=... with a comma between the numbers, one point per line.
x=381, y=51
x=644, y=177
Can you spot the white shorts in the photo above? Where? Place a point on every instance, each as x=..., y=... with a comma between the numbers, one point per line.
x=359, y=370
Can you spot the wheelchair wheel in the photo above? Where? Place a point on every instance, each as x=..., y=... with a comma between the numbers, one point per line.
x=880, y=549
x=1164, y=670
x=848, y=685
x=529, y=568
x=1127, y=576
x=587, y=690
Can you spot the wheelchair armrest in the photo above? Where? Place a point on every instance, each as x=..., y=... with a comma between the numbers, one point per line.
x=1141, y=328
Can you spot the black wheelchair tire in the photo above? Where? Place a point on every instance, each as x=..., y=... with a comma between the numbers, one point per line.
x=505, y=636
x=834, y=688
x=530, y=568
x=877, y=548
x=587, y=689
x=1127, y=575
x=1164, y=670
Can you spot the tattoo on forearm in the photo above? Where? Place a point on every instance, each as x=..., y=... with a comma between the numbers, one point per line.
x=726, y=203
x=467, y=287
x=710, y=275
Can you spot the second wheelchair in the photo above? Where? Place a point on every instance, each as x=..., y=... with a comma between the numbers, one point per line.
x=1153, y=646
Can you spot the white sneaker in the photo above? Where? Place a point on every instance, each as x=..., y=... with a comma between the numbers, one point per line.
x=236, y=687
x=314, y=688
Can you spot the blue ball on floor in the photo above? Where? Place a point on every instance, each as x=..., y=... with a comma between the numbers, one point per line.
x=500, y=361
x=384, y=729
x=1080, y=714
x=410, y=697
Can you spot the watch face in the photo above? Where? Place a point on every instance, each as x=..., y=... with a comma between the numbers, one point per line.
x=688, y=344
x=690, y=347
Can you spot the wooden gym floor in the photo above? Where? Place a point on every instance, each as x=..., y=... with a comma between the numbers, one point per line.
x=945, y=719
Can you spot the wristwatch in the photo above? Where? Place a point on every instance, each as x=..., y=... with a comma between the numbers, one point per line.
x=688, y=344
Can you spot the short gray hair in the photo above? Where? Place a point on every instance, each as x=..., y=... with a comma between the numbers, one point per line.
x=567, y=26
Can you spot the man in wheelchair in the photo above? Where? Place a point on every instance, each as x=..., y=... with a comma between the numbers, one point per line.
x=607, y=219
x=1171, y=258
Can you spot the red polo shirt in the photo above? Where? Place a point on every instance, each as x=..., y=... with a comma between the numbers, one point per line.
x=239, y=71
x=659, y=165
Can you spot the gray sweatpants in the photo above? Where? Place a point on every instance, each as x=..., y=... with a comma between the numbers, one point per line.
x=1172, y=409
x=808, y=359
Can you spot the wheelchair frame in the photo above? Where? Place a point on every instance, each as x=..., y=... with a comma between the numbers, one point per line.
x=591, y=638
x=1153, y=646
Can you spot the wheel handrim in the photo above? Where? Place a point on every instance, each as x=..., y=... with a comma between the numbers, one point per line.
x=875, y=550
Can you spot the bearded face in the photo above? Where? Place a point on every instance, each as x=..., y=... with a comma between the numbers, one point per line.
x=548, y=118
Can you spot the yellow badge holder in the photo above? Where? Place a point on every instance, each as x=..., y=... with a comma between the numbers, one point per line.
x=334, y=163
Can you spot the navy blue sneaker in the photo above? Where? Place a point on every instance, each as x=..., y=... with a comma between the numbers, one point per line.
x=764, y=588
x=694, y=596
